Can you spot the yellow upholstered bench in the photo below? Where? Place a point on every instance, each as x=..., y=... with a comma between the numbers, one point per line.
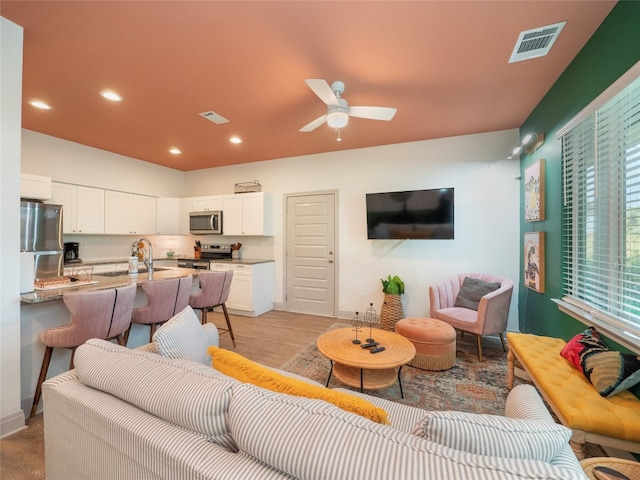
x=613, y=421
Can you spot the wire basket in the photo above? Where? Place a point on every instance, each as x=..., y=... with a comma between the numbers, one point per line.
x=247, y=187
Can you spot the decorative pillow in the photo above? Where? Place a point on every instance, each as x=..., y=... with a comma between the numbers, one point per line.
x=472, y=290
x=244, y=370
x=494, y=435
x=183, y=337
x=577, y=345
x=609, y=371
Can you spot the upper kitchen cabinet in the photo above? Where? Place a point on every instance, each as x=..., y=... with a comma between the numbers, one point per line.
x=35, y=187
x=168, y=210
x=83, y=207
x=129, y=213
x=203, y=204
x=185, y=206
x=247, y=214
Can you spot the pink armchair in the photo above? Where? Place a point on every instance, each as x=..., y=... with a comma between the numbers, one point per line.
x=493, y=309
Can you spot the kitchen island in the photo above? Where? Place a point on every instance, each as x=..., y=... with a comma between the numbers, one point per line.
x=44, y=309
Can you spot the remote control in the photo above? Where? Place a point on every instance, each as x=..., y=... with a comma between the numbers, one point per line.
x=369, y=345
x=376, y=350
x=606, y=473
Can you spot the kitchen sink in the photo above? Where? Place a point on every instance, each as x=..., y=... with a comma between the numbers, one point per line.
x=119, y=273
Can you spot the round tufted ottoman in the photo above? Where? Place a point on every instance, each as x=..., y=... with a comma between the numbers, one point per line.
x=435, y=342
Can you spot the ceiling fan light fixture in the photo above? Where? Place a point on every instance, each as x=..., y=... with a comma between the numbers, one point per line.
x=337, y=116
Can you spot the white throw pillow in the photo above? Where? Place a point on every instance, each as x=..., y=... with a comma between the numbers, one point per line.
x=183, y=337
x=494, y=435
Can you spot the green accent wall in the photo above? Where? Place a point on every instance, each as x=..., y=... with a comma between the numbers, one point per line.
x=609, y=53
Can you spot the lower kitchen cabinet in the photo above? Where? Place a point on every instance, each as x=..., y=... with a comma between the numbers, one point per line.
x=251, y=291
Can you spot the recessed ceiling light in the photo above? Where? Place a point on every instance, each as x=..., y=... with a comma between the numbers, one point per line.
x=175, y=151
x=109, y=95
x=40, y=105
x=235, y=140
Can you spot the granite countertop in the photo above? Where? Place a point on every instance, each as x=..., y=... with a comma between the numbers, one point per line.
x=240, y=261
x=104, y=282
x=237, y=261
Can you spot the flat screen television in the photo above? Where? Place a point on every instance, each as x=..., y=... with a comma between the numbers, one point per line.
x=414, y=214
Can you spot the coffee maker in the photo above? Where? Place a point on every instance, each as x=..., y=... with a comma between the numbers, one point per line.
x=71, y=253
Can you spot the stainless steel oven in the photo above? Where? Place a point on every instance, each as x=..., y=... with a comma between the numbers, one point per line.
x=198, y=264
x=208, y=252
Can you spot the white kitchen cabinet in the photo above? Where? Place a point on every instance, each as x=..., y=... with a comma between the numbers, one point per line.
x=129, y=213
x=247, y=214
x=35, y=187
x=83, y=207
x=251, y=292
x=185, y=206
x=168, y=211
x=203, y=204
x=166, y=262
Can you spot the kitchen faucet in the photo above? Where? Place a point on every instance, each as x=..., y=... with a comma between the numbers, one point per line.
x=147, y=256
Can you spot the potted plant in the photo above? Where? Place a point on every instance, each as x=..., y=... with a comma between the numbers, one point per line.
x=391, y=310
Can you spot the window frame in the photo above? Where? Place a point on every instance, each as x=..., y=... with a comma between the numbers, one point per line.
x=625, y=332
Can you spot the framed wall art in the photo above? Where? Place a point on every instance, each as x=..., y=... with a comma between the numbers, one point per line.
x=534, y=192
x=534, y=261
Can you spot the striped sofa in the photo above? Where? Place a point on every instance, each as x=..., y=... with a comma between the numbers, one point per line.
x=134, y=414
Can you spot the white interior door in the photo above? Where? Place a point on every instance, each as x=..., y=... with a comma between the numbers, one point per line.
x=310, y=254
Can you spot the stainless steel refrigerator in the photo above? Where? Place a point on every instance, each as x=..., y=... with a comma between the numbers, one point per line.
x=41, y=233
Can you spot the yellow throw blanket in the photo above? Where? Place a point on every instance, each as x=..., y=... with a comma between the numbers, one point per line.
x=244, y=370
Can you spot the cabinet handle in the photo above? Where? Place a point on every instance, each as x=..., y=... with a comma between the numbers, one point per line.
x=330, y=261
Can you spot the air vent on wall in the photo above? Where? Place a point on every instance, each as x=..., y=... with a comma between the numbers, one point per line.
x=214, y=117
x=535, y=43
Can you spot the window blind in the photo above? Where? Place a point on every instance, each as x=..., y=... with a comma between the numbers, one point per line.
x=601, y=209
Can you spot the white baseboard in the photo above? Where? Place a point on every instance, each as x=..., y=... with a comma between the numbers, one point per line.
x=12, y=423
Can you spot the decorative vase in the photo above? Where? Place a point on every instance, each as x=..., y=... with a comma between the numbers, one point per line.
x=391, y=311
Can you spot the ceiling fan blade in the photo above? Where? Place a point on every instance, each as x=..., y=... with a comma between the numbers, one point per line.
x=373, y=113
x=322, y=89
x=314, y=124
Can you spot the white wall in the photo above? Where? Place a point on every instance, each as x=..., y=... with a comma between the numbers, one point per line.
x=486, y=212
x=71, y=162
x=11, y=416
x=486, y=206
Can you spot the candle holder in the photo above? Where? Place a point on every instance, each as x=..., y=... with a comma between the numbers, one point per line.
x=356, y=323
x=371, y=319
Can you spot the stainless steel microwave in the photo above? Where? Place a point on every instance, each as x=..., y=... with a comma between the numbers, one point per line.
x=205, y=223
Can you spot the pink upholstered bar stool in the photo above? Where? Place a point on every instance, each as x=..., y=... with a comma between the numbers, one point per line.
x=165, y=298
x=214, y=292
x=104, y=314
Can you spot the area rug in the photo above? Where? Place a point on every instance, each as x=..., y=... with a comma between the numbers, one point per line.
x=470, y=386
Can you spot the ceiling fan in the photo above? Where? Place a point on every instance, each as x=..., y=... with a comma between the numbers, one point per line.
x=338, y=110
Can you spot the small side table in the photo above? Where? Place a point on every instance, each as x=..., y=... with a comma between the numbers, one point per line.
x=627, y=467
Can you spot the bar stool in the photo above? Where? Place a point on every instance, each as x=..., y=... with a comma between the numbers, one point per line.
x=104, y=314
x=165, y=298
x=214, y=292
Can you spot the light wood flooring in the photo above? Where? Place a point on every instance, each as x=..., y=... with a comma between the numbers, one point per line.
x=271, y=339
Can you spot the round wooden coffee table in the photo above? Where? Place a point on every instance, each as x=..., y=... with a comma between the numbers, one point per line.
x=358, y=367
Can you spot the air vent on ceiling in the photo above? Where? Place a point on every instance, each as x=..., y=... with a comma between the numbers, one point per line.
x=214, y=117
x=535, y=43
